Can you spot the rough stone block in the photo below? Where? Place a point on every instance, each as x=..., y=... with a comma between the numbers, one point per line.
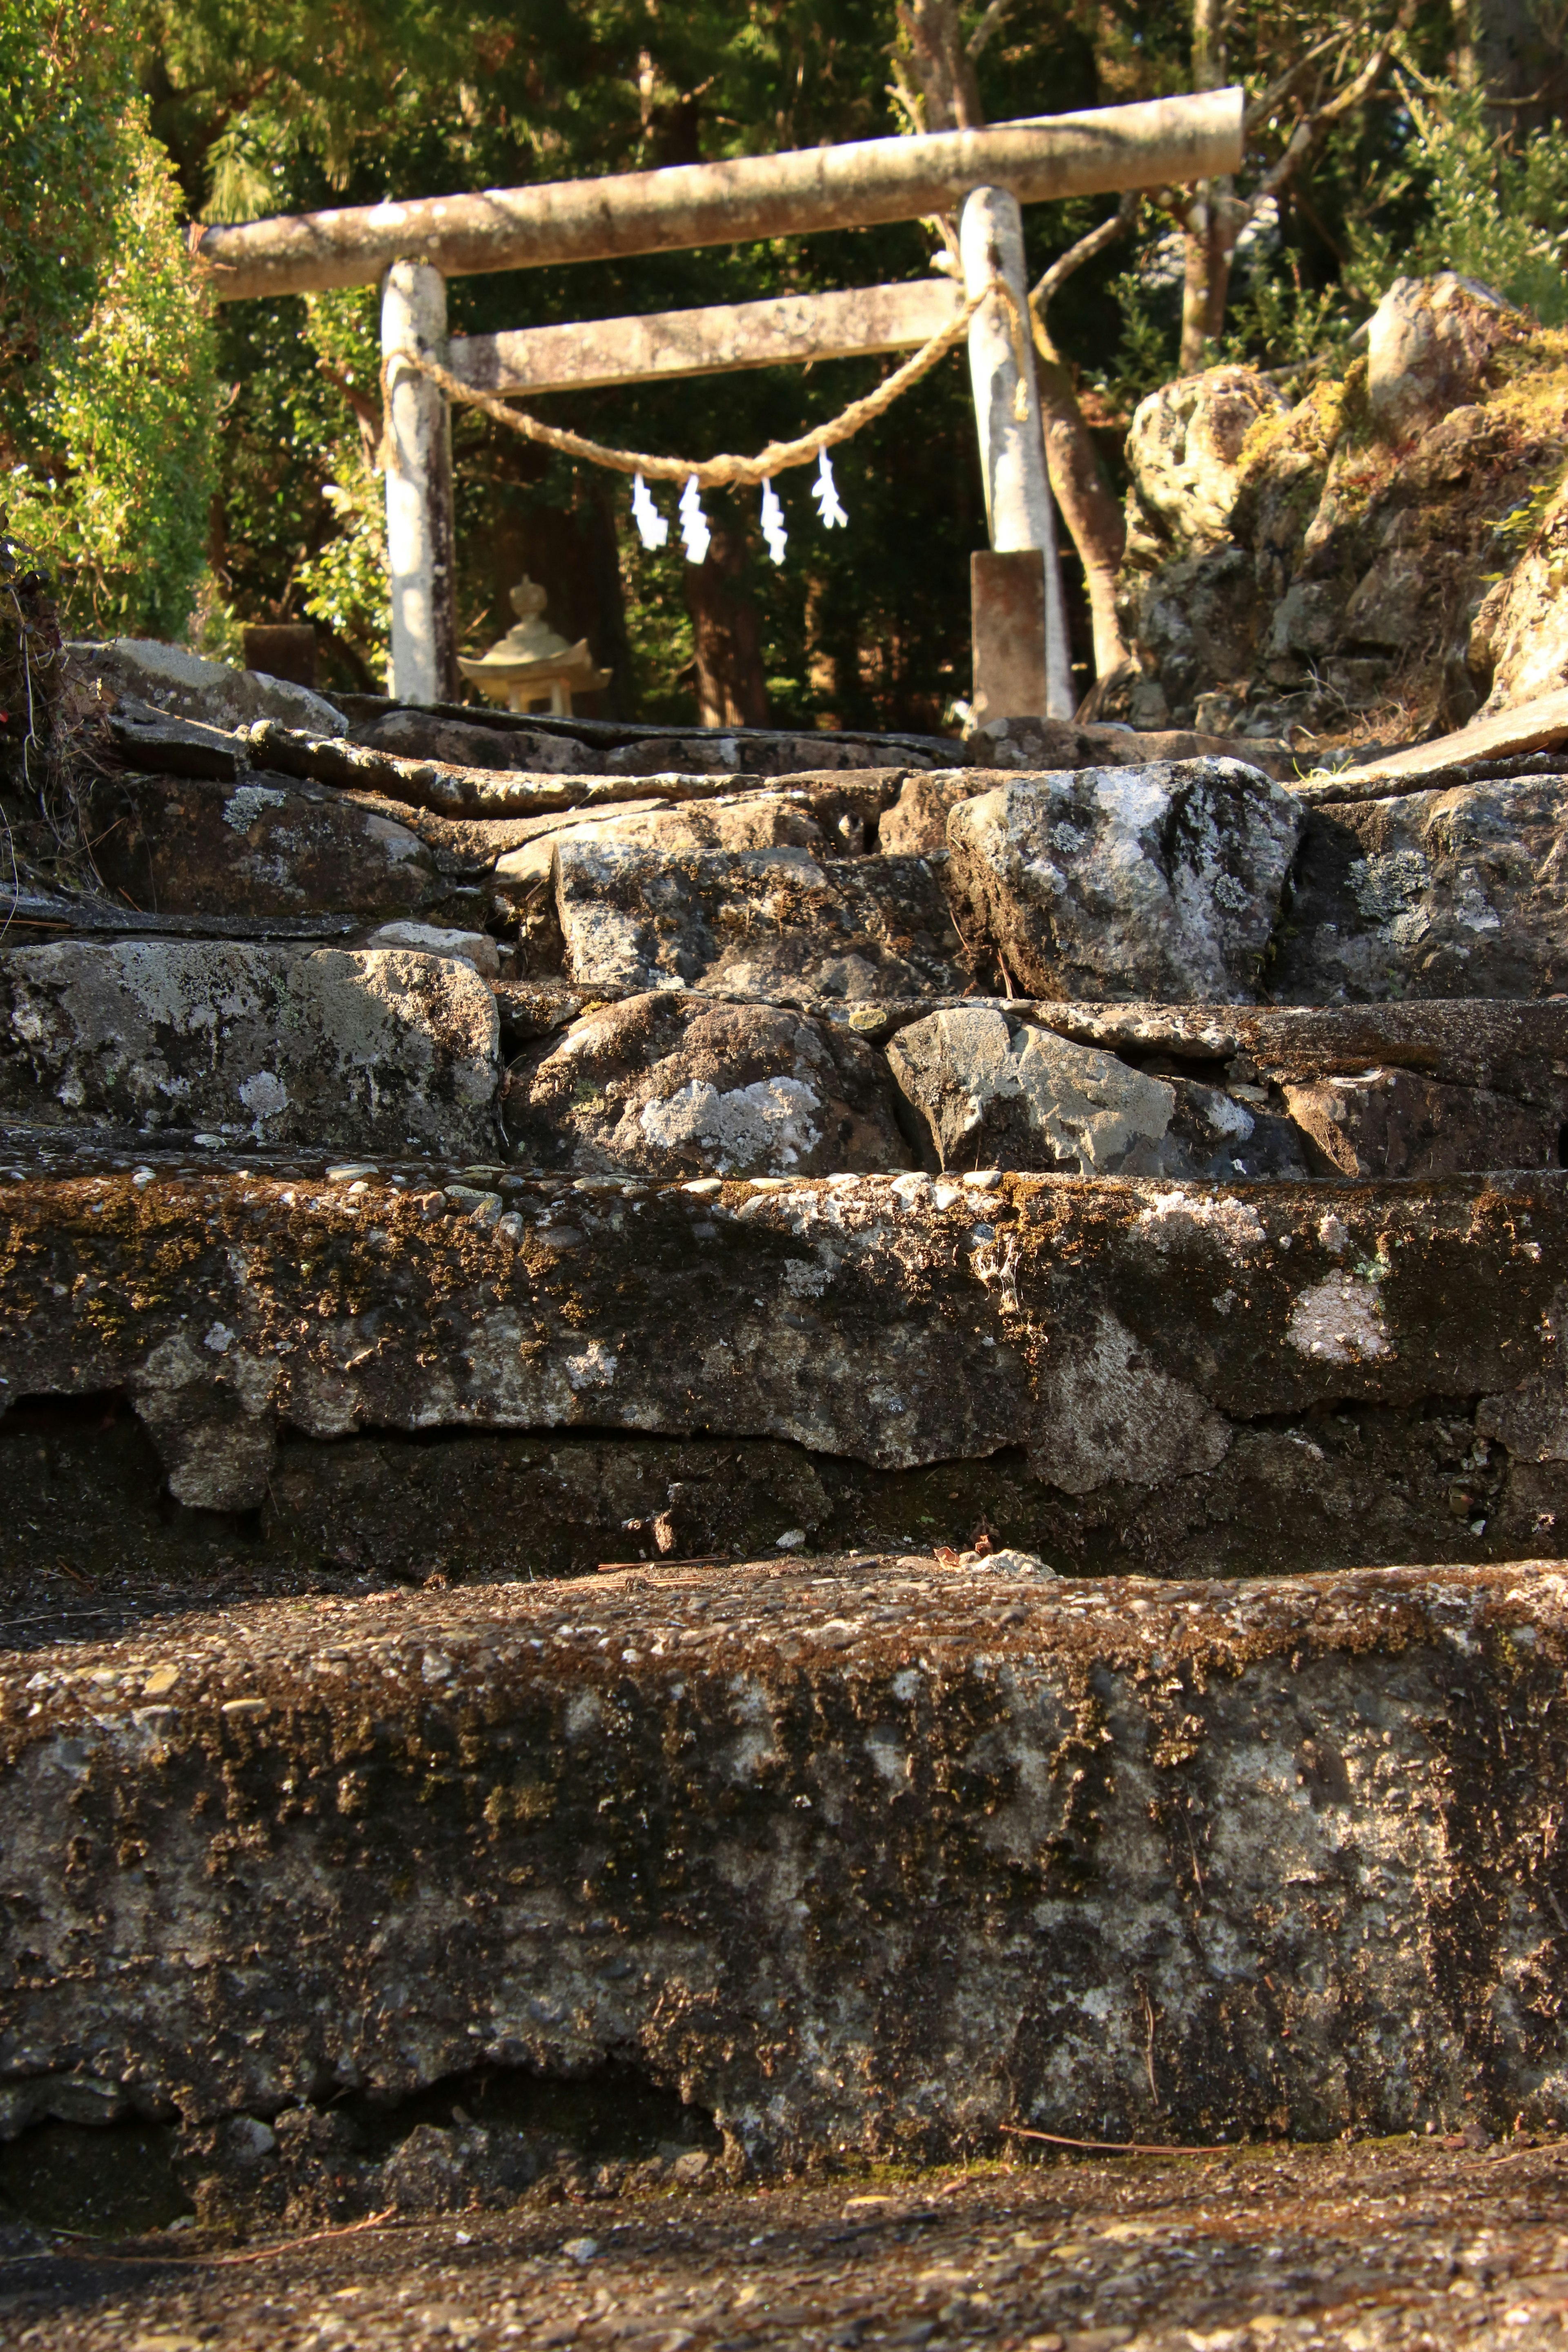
x=994, y=1091
x=672, y=1086
x=1393, y=1123
x=863, y=1863
x=761, y=923
x=456, y=742
x=349, y=1050
x=1038, y=746
x=1163, y=881
x=475, y=948
x=758, y=820
x=1429, y=343
x=170, y=679
x=1435, y=893
x=264, y=846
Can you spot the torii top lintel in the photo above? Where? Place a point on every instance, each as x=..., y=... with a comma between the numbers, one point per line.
x=1155, y=143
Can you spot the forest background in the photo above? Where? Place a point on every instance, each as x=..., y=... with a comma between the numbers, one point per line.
x=183, y=467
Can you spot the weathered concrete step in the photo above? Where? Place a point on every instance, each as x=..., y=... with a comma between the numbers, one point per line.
x=860, y=1860
x=1123, y=1337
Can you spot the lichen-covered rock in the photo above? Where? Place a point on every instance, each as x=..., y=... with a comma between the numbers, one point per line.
x=172, y=679
x=863, y=1861
x=1519, y=637
x=369, y=1049
x=1183, y=446
x=1514, y=1048
x=1163, y=881
x=916, y=824
x=1429, y=343
x=996, y=1092
x=266, y=844
x=755, y=820
x=1384, y=1122
x=475, y=948
x=460, y=743
x=1437, y=893
x=756, y=923
x=673, y=1086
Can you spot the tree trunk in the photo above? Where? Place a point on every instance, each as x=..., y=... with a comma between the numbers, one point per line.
x=940, y=66
x=1089, y=508
x=1208, y=225
x=732, y=690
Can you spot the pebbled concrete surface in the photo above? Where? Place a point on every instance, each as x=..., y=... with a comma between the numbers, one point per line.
x=1402, y=2246
x=863, y=1860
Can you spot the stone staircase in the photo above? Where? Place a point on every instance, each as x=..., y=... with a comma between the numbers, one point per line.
x=823, y=1449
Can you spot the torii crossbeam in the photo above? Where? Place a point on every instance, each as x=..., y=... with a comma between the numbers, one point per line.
x=982, y=175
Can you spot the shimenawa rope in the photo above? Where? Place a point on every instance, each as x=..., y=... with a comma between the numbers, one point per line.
x=714, y=473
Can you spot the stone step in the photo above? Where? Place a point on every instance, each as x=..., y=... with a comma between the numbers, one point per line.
x=266, y=844
x=859, y=1859
x=1199, y=881
x=372, y=1049
x=391, y=1045
x=1107, y=1371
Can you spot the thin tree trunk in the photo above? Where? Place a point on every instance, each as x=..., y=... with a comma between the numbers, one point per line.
x=1090, y=508
x=732, y=690
x=1209, y=225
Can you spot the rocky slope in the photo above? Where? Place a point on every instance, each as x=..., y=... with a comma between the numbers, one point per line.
x=1380, y=560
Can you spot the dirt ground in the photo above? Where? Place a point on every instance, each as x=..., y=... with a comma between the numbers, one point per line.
x=1408, y=2244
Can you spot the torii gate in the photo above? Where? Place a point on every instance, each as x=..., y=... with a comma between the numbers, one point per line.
x=1020, y=635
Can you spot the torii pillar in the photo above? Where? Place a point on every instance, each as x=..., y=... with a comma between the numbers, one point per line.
x=421, y=537
x=1022, y=667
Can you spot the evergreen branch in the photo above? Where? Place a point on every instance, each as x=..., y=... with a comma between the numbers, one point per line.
x=1311, y=126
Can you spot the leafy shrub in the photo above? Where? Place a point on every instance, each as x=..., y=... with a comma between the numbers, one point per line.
x=107, y=388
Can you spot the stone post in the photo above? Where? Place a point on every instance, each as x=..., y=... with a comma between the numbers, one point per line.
x=419, y=529
x=1012, y=449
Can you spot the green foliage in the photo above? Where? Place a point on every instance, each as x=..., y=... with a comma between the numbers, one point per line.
x=1486, y=211
x=1277, y=323
x=344, y=583
x=105, y=356
x=65, y=82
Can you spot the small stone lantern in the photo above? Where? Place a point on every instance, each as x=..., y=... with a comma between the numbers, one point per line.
x=533, y=666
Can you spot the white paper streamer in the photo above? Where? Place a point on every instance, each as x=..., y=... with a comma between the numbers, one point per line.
x=652, y=528
x=695, y=535
x=825, y=490
x=774, y=530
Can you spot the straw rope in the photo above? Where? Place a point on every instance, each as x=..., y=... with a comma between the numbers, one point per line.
x=713, y=473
